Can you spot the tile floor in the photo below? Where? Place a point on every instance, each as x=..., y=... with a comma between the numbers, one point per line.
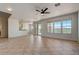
x=35, y=45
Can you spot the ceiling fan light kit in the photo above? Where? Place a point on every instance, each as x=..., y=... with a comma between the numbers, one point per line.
x=43, y=11
x=42, y=14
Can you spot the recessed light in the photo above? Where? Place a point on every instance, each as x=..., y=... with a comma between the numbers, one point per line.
x=57, y=4
x=42, y=14
x=9, y=9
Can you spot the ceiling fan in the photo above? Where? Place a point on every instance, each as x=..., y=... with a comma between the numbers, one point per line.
x=43, y=11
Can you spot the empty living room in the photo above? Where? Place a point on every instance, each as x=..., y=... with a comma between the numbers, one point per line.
x=39, y=28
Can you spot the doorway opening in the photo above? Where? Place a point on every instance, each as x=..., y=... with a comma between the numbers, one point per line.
x=39, y=29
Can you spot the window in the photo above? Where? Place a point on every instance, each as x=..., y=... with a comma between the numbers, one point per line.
x=50, y=27
x=57, y=27
x=23, y=26
x=60, y=27
x=66, y=26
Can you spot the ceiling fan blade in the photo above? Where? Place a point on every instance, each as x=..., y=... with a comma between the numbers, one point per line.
x=38, y=10
x=42, y=10
x=46, y=12
x=45, y=9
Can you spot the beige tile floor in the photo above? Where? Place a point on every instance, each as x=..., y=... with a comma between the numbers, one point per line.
x=35, y=45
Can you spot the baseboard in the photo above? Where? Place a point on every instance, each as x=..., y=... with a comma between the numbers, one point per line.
x=17, y=37
x=58, y=38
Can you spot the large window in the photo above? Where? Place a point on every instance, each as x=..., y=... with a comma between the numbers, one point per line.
x=50, y=27
x=57, y=27
x=66, y=26
x=60, y=27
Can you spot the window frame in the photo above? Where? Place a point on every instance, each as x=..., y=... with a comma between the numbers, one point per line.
x=50, y=30
x=70, y=28
x=60, y=27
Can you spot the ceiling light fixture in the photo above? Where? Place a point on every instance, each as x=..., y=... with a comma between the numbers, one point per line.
x=9, y=9
x=57, y=4
x=42, y=14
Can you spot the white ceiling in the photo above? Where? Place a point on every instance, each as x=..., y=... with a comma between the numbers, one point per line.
x=26, y=11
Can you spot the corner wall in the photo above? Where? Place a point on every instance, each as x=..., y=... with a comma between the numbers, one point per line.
x=13, y=28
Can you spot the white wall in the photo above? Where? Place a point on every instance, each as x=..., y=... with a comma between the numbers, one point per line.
x=78, y=26
x=13, y=28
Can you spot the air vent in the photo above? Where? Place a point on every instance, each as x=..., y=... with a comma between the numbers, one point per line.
x=57, y=4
